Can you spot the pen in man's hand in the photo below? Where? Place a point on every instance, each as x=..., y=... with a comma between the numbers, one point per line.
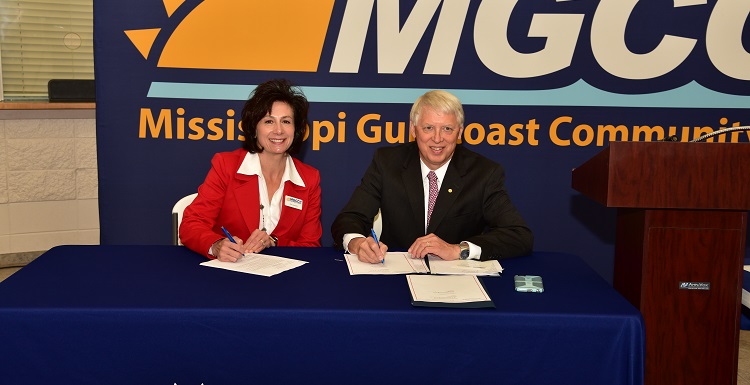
x=231, y=238
x=375, y=237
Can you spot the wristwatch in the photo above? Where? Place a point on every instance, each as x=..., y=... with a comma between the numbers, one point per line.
x=464, y=250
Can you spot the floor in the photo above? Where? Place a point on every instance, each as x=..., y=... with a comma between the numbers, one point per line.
x=7, y=272
x=743, y=371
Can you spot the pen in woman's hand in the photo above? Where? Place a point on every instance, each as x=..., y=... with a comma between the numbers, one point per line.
x=375, y=237
x=231, y=238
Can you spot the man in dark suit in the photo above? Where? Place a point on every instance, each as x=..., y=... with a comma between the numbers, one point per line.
x=467, y=215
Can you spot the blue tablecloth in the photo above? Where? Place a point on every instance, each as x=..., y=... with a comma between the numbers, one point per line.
x=745, y=311
x=153, y=315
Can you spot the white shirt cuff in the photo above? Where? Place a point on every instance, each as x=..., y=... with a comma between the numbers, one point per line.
x=474, y=251
x=348, y=238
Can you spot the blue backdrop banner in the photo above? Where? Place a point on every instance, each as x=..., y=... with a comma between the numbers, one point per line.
x=545, y=85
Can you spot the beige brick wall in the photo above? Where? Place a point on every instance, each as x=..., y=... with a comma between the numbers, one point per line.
x=48, y=181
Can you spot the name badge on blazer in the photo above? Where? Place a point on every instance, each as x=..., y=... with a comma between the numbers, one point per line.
x=293, y=202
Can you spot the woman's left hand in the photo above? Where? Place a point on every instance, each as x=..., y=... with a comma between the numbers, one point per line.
x=258, y=241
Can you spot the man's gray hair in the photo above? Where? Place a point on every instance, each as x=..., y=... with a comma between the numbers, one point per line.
x=441, y=101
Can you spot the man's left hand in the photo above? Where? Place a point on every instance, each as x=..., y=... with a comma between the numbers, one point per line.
x=431, y=244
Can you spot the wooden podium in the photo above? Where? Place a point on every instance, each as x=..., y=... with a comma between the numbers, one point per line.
x=679, y=249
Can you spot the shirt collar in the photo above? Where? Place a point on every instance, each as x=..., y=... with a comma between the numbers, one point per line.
x=251, y=166
x=440, y=172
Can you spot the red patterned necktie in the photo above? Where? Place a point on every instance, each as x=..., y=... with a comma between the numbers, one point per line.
x=433, y=194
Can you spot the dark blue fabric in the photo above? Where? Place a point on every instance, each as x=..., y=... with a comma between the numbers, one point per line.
x=153, y=315
x=745, y=310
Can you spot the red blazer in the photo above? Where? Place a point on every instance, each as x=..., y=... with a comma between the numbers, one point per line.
x=232, y=200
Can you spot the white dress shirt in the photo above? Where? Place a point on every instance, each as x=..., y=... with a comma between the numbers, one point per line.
x=271, y=212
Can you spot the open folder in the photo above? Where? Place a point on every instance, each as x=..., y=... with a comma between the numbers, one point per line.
x=403, y=263
x=394, y=263
x=464, y=267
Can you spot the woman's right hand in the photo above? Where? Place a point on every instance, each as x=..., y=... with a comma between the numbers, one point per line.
x=227, y=251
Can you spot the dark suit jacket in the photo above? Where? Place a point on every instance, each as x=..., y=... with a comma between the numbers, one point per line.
x=232, y=200
x=473, y=204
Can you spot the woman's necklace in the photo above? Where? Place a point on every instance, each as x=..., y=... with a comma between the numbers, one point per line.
x=262, y=218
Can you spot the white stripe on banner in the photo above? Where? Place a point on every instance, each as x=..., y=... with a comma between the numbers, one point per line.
x=691, y=95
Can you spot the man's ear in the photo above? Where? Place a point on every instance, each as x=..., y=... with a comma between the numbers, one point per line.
x=412, y=129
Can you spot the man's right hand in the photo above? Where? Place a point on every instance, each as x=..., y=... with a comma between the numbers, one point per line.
x=367, y=249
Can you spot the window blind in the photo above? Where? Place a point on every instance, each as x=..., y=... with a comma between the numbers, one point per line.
x=42, y=40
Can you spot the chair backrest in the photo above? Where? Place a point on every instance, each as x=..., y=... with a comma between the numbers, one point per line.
x=377, y=223
x=177, y=210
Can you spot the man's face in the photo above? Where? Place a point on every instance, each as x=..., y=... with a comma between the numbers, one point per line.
x=436, y=134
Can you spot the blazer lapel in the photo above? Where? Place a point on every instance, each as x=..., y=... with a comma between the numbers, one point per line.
x=449, y=191
x=246, y=190
x=412, y=179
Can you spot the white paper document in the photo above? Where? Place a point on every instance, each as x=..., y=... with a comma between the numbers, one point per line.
x=747, y=268
x=258, y=264
x=465, y=267
x=395, y=263
x=446, y=288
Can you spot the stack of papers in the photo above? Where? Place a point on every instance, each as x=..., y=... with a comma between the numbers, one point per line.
x=258, y=264
x=465, y=267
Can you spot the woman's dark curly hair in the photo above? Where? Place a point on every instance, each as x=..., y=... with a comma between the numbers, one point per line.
x=259, y=105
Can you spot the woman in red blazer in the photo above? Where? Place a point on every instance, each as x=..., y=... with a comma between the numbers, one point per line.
x=260, y=194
